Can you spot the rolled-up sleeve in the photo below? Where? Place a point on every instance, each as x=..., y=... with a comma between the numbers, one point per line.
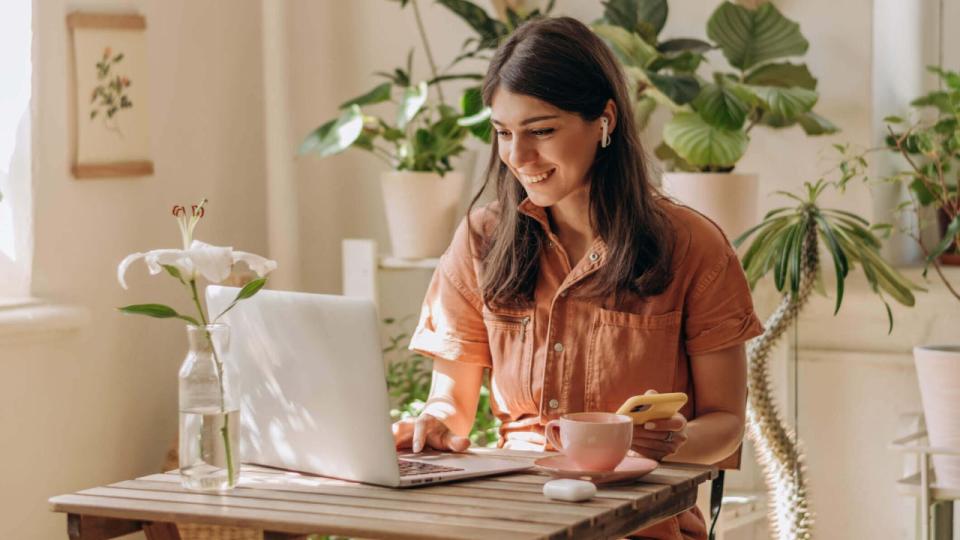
x=719, y=308
x=451, y=322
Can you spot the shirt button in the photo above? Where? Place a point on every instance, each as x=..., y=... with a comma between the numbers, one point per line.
x=558, y=346
x=554, y=404
x=594, y=256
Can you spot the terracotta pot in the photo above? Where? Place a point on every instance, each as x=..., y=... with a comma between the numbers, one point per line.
x=422, y=211
x=938, y=372
x=729, y=199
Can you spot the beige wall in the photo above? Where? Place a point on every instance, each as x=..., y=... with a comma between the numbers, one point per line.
x=99, y=404
x=96, y=405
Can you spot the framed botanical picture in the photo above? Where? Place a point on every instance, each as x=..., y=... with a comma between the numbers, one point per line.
x=111, y=135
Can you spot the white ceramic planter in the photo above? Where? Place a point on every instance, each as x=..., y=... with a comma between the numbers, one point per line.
x=422, y=210
x=729, y=199
x=938, y=372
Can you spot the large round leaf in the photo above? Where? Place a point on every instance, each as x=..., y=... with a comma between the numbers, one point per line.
x=645, y=17
x=702, y=144
x=782, y=74
x=750, y=37
x=724, y=106
x=628, y=46
x=814, y=124
x=785, y=103
x=681, y=89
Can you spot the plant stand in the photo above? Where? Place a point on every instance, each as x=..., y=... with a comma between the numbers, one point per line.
x=936, y=503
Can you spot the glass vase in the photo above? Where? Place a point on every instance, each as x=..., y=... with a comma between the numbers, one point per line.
x=209, y=413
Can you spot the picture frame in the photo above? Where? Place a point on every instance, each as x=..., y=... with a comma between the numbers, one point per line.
x=110, y=132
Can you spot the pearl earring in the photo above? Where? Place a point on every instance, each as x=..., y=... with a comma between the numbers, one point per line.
x=605, y=137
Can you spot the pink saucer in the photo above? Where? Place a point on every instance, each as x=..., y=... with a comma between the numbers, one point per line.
x=630, y=468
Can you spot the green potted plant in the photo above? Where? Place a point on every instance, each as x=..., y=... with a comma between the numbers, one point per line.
x=928, y=141
x=786, y=243
x=418, y=142
x=713, y=116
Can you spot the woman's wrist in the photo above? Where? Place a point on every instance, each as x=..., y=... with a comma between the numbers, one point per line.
x=711, y=438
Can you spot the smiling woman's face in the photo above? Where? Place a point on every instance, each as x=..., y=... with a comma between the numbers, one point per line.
x=549, y=150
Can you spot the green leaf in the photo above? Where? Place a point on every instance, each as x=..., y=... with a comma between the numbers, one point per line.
x=949, y=239
x=702, y=144
x=681, y=89
x=158, y=311
x=750, y=37
x=413, y=99
x=682, y=62
x=796, y=258
x=785, y=103
x=173, y=271
x=248, y=290
x=642, y=110
x=378, y=95
x=782, y=74
x=840, y=264
x=814, y=124
x=629, y=47
x=671, y=160
x=952, y=78
x=644, y=17
x=336, y=135
x=893, y=120
x=475, y=115
x=938, y=99
x=724, y=106
x=780, y=271
x=490, y=30
x=684, y=45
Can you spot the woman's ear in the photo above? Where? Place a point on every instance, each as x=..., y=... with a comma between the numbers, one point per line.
x=610, y=113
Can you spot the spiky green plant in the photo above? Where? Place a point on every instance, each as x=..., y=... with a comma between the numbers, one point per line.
x=786, y=242
x=849, y=238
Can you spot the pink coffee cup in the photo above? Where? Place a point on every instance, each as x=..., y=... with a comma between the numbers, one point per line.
x=595, y=441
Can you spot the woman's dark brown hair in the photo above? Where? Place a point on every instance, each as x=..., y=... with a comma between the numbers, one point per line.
x=562, y=62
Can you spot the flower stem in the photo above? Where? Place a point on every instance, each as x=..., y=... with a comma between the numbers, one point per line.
x=225, y=429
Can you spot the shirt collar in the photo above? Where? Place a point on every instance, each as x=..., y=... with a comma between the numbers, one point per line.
x=539, y=213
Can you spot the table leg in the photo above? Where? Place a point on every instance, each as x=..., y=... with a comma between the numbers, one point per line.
x=80, y=527
x=159, y=530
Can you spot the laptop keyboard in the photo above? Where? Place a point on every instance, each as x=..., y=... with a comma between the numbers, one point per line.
x=410, y=468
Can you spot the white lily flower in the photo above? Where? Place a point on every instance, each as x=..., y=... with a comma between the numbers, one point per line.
x=214, y=263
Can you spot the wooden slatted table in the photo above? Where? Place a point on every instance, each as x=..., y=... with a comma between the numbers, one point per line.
x=288, y=506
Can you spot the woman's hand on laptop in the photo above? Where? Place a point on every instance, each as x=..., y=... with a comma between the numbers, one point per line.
x=427, y=430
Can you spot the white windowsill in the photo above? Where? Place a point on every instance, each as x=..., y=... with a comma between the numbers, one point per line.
x=31, y=319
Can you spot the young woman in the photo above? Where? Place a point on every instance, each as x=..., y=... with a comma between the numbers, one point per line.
x=580, y=286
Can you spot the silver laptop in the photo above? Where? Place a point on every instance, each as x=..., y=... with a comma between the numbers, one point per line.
x=313, y=394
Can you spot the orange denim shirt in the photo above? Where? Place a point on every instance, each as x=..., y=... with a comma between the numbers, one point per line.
x=571, y=354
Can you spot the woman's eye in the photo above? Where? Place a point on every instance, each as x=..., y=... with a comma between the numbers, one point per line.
x=540, y=132
x=502, y=133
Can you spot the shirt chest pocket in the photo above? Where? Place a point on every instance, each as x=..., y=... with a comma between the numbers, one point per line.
x=630, y=354
x=510, y=336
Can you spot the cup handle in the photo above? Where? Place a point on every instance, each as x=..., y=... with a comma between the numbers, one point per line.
x=553, y=434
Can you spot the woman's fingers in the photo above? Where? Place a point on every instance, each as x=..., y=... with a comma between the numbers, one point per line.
x=675, y=423
x=403, y=433
x=427, y=431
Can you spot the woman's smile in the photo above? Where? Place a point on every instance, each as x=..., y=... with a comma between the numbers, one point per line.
x=536, y=178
